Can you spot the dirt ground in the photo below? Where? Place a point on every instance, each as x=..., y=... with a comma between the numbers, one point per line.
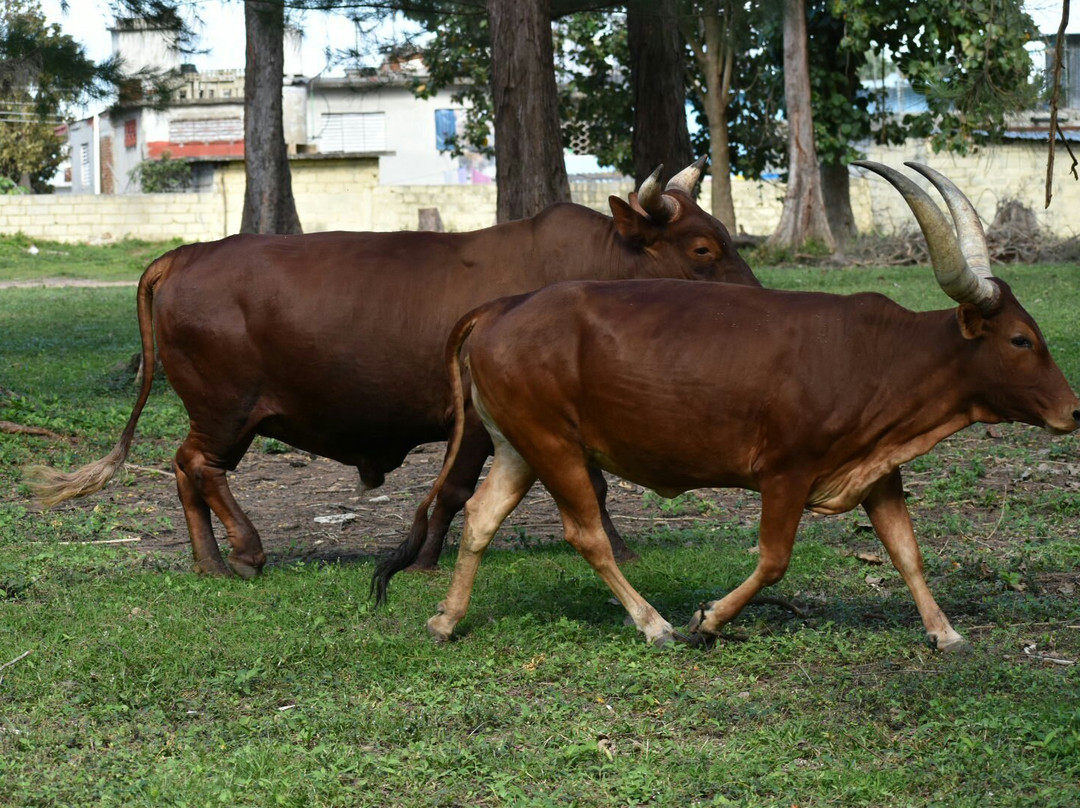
x=307, y=507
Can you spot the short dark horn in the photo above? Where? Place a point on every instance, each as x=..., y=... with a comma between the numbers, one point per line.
x=652, y=199
x=687, y=179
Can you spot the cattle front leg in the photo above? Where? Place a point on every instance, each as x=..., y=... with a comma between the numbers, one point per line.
x=889, y=515
x=508, y=481
x=459, y=486
x=781, y=510
x=208, y=482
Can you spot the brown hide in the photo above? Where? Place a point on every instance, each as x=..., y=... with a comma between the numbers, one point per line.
x=815, y=400
x=333, y=342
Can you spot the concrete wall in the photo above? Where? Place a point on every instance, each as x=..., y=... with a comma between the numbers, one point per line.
x=345, y=194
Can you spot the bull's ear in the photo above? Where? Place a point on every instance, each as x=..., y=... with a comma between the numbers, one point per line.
x=633, y=226
x=972, y=323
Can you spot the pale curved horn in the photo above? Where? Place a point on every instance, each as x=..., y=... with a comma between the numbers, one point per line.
x=949, y=257
x=653, y=201
x=970, y=236
x=687, y=179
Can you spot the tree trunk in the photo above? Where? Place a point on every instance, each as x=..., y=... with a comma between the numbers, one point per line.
x=269, y=206
x=709, y=34
x=723, y=205
x=529, y=169
x=803, y=217
x=658, y=78
x=836, y=191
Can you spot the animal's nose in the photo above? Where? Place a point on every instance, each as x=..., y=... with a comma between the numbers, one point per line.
x=1076, y=416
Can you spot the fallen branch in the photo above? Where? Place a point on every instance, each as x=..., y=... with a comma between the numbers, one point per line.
x=104, y=541
x=768, y=600
x=149, y=470
x=21, y=429
x=16, y=659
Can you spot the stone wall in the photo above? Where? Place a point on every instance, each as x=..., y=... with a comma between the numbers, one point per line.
x=344, y=194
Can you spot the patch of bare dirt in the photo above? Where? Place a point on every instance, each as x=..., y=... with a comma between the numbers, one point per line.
x=307, y=507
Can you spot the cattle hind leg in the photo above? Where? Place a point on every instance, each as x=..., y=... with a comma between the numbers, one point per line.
x=889, y=515
x=202, y=487
x=508, y=481
x=570, y=484
x=455, y=492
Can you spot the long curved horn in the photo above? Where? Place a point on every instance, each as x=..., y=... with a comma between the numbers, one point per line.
x=969, y=232
x=653, y=201
x=688, y=178
x=951, y=258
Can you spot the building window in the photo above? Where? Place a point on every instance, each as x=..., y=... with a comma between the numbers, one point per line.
x=353, y=132
x=445, y=129
x=130, y=138
x=84, y=165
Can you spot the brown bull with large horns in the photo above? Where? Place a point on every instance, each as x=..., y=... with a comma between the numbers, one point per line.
x=333, y=342
x=815, y=400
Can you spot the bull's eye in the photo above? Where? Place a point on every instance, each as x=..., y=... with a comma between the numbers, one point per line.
x=702, y=250
x=1020, y=341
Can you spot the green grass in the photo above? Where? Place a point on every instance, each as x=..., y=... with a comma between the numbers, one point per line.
x=120, y=261
x=146, y=685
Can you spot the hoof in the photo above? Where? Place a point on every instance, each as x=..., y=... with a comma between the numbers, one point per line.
x=699, y=617
x=421, y=568
x=439, y=630
x=243, y=569
x=215, y=570
x=953, y=645
x=629, y=557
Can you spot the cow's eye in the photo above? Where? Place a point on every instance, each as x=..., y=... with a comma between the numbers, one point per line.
x=1020, y=341
x=702, y=250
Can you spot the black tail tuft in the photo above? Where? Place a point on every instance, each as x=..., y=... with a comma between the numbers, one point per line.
x=402, y=557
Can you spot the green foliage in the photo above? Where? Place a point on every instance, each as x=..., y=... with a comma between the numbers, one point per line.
x=594, y=92
x=44, y=67
x=164, y=175
x=967, y=59
x=9, y=187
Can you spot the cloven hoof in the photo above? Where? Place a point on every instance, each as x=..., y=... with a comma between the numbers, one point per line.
x=956, y=646
x=242, y=569
x=219, y=570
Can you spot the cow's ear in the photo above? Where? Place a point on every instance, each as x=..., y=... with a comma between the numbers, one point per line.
x=633, y=226
x=972, y=323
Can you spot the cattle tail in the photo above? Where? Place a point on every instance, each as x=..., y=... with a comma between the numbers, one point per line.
x=407, y=552
x=50, y=486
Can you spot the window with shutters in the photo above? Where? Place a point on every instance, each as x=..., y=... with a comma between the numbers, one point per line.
x=353, y=132
x=84, y=165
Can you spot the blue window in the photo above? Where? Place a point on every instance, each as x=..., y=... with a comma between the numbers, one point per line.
x=445, y=129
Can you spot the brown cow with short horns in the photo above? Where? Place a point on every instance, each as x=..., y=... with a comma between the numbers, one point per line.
x=333, y=342
x=815, y=400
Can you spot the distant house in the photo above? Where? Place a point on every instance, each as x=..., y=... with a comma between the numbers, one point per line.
x=366, y=112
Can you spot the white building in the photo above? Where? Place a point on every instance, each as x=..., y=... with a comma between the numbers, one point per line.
x=370, y=111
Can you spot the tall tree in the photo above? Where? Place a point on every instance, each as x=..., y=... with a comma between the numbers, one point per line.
x=709, y=28
x=803, y=217
x=269, y=206
x=658, y=75
x=529, y=167
x=968, y=63
x=42, y=73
